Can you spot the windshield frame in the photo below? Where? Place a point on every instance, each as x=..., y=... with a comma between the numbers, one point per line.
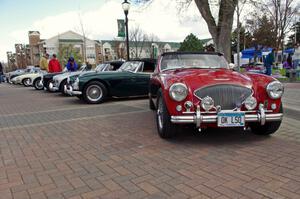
x=135, y=71
x=199, y=54
x=102, y=67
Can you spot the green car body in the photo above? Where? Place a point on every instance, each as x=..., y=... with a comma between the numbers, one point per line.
x=119, y=84
x=93, y=87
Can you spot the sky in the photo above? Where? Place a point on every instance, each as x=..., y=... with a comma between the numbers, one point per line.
x=99, y=17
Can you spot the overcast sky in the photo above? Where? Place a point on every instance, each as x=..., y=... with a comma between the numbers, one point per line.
x=99, y=17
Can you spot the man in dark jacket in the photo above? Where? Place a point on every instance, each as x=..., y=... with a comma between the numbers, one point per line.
x=1, y=73
x=270, y=59
x=72, y=65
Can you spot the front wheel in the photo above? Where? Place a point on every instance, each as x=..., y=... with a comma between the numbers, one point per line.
x=94, y=92
x=38, y=85
x=268, y=128
x=26, y=82
x=49, y=85
x=166, y=129
x=62, y=86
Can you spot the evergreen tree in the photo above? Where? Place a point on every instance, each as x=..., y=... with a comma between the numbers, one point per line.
x=191, y=43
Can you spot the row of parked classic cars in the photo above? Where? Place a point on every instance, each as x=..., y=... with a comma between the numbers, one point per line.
x=199, y=89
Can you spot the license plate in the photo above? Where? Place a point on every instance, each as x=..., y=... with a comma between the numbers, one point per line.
x=231, y=119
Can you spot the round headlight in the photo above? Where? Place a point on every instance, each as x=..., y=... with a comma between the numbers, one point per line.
x=207, y=103
x=250, y=103
x=275, y=90
x=178, y=92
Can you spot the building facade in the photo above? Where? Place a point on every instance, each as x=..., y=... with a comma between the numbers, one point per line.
x=115, y=49
x=71, y=44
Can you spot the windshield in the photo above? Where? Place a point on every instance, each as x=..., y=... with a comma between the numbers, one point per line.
x=100, y=67
x=130, y=66
x=202, y=61
x=83, y=68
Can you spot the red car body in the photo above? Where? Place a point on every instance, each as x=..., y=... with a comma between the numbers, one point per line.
x=196, y=79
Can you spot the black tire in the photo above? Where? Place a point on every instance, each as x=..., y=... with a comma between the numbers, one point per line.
x=62, y=86
x=48, y=85
x=97, y=89
x=267, y=129
x=151, y=104
x=166, y=129
x=36, y=84
x=26, y=82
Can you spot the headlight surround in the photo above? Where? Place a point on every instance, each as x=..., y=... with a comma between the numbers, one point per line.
x=250, y=103
x=207, y=103
x=178, y=92
x=275, y=90
x=76, y=84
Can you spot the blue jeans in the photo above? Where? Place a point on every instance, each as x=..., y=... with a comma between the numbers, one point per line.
x=269, y=70
x=1, y=79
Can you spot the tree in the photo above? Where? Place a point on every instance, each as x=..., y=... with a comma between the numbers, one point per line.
x=280, y=13
x=191, y=43
x=245, y=39
x=294, y=38
x=141, y=42
x=137, y=39
x=220, y=27
x=66, y=51
x=263, y=31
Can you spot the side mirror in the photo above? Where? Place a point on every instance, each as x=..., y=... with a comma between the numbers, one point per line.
x=232, y=67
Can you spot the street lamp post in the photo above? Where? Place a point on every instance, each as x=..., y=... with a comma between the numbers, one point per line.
x=126, y=7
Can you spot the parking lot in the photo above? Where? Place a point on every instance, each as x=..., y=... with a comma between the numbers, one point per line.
x=59, y=147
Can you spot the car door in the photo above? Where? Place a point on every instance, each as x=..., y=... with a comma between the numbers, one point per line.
x=123, y=84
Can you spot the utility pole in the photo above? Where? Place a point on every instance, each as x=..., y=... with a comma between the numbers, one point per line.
x=238, y=35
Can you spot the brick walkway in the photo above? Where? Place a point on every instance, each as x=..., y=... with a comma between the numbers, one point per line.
x=57, y=147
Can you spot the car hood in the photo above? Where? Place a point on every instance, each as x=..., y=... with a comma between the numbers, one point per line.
x=50, y=75
x=197, y=78
x=96, y=73
x=29, y=75
x=65, y=75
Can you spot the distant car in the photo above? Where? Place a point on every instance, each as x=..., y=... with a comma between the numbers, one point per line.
x=47, y=80
x=255, y=68
x=200, y=89
x=10, y=75
x=13, y=74
x=27, y=78
x=130, y=80
x=107, y=66
x=60, y=81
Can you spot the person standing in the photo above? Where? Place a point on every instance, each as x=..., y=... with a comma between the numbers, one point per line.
x=1, y=73
x=269, y=62
x=72, y=65
x=54, y=65
x=44, y=62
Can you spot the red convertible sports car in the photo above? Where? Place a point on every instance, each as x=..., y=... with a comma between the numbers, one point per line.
x=201, y=89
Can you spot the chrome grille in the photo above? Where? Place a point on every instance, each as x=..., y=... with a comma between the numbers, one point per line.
x=226, y=95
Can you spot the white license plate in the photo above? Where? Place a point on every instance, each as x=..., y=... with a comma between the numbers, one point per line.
x=231, y=119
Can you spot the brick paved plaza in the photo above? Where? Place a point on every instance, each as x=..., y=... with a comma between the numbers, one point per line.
x=58, y=147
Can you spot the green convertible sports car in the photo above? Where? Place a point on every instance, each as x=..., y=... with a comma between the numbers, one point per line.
x=130, y=80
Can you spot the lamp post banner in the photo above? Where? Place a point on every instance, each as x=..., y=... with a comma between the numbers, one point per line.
x=121, y=28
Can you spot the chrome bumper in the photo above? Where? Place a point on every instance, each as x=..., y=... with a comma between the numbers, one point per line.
x=198, y=118
x=70, y=91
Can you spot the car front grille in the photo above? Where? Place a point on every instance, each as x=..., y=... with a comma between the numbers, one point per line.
x=225, y=95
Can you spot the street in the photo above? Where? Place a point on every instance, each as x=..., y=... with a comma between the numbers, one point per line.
x=55, y=147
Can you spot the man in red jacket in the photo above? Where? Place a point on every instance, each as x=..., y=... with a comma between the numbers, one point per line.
x=54, y=65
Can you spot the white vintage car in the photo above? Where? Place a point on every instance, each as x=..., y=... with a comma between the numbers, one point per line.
x=59, y=81
x=27, y=78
